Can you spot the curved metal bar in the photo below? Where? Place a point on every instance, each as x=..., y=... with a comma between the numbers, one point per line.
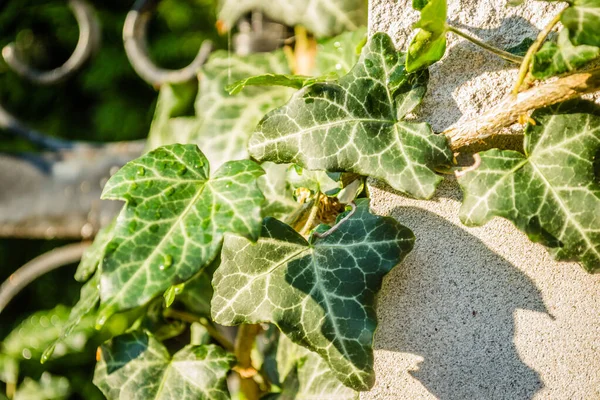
x=134, y=37
x=14, y=127
x=88, y=43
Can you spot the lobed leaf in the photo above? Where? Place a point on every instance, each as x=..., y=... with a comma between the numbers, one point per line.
x=561, y=57
x=320, y=294
x=137, y=366
x=429, y=44
x=305, y=375
x=552, y=192
x=322, y=17
x=582, y=18
x=173, y=222
x=356, y=125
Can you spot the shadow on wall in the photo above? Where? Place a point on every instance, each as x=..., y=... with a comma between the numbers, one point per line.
x=452, y=302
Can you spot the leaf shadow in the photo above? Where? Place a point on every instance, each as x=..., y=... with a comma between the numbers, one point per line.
x=452, y=302
x=123, y=351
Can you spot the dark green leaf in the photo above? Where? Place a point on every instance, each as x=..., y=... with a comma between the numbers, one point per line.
x=429, y=44
x=278, y=192
x=137, y=366
x=356, y=125
x=174, y=221
x=305, y=375
x=551, y=193
x=339, y=54
x=322, y=294
x=582, y=19
x=560, y=57
x=324, y=18
x=198, y=291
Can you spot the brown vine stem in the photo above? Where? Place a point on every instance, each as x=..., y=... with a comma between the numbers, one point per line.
x=244, y=343
x=499, y=52
x=191, y=318
x=535, y=46
x=507, y=112
x=312, y=216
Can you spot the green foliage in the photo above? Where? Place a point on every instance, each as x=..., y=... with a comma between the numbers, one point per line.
x=49, y=387
x=174, y=220
x=305, y=375
x=223, y=123
x=40, y=330
x=320, y=292
x=560, y=57
x=551, y=193
x=324, y=18
x=582, y=18
x=252, y=244
x=429, y=44
x=357, y=125
x=137, y=366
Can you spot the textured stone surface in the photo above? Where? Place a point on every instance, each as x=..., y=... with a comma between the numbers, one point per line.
x=478, y=313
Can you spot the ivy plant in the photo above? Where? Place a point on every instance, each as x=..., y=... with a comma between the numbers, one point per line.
x=246, y=261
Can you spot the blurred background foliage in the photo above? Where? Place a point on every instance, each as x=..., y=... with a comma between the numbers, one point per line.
x=105, y=101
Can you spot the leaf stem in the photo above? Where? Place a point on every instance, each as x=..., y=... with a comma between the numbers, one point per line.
x=337, y=226
x=244, y=342
x=191, y=318
x=499, y=52
x=312, y=216
x=535, y=46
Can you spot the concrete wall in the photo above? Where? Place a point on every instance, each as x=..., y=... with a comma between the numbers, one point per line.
x=478, y=313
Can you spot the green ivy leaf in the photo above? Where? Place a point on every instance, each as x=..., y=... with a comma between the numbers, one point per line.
x=551, y=193
x=198, y=291
x=278, y=192
x=429, y=44
x=324, y=18
x=84, y=309
x=356, y=125
x=320, y=294
x=305, y=375
x=223, y=123
x=173, y=101
x=338, y=55
x=174, y=221
x=560, y=57
x=93, y=255
x=32, y=336
x=49, y=387
x=137, y=366
x=316, y=181
x=292, y=81
x=582, y=18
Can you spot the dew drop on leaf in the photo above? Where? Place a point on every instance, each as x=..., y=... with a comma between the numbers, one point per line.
x=141, y=171
x=167, y=262
x=169, y=191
